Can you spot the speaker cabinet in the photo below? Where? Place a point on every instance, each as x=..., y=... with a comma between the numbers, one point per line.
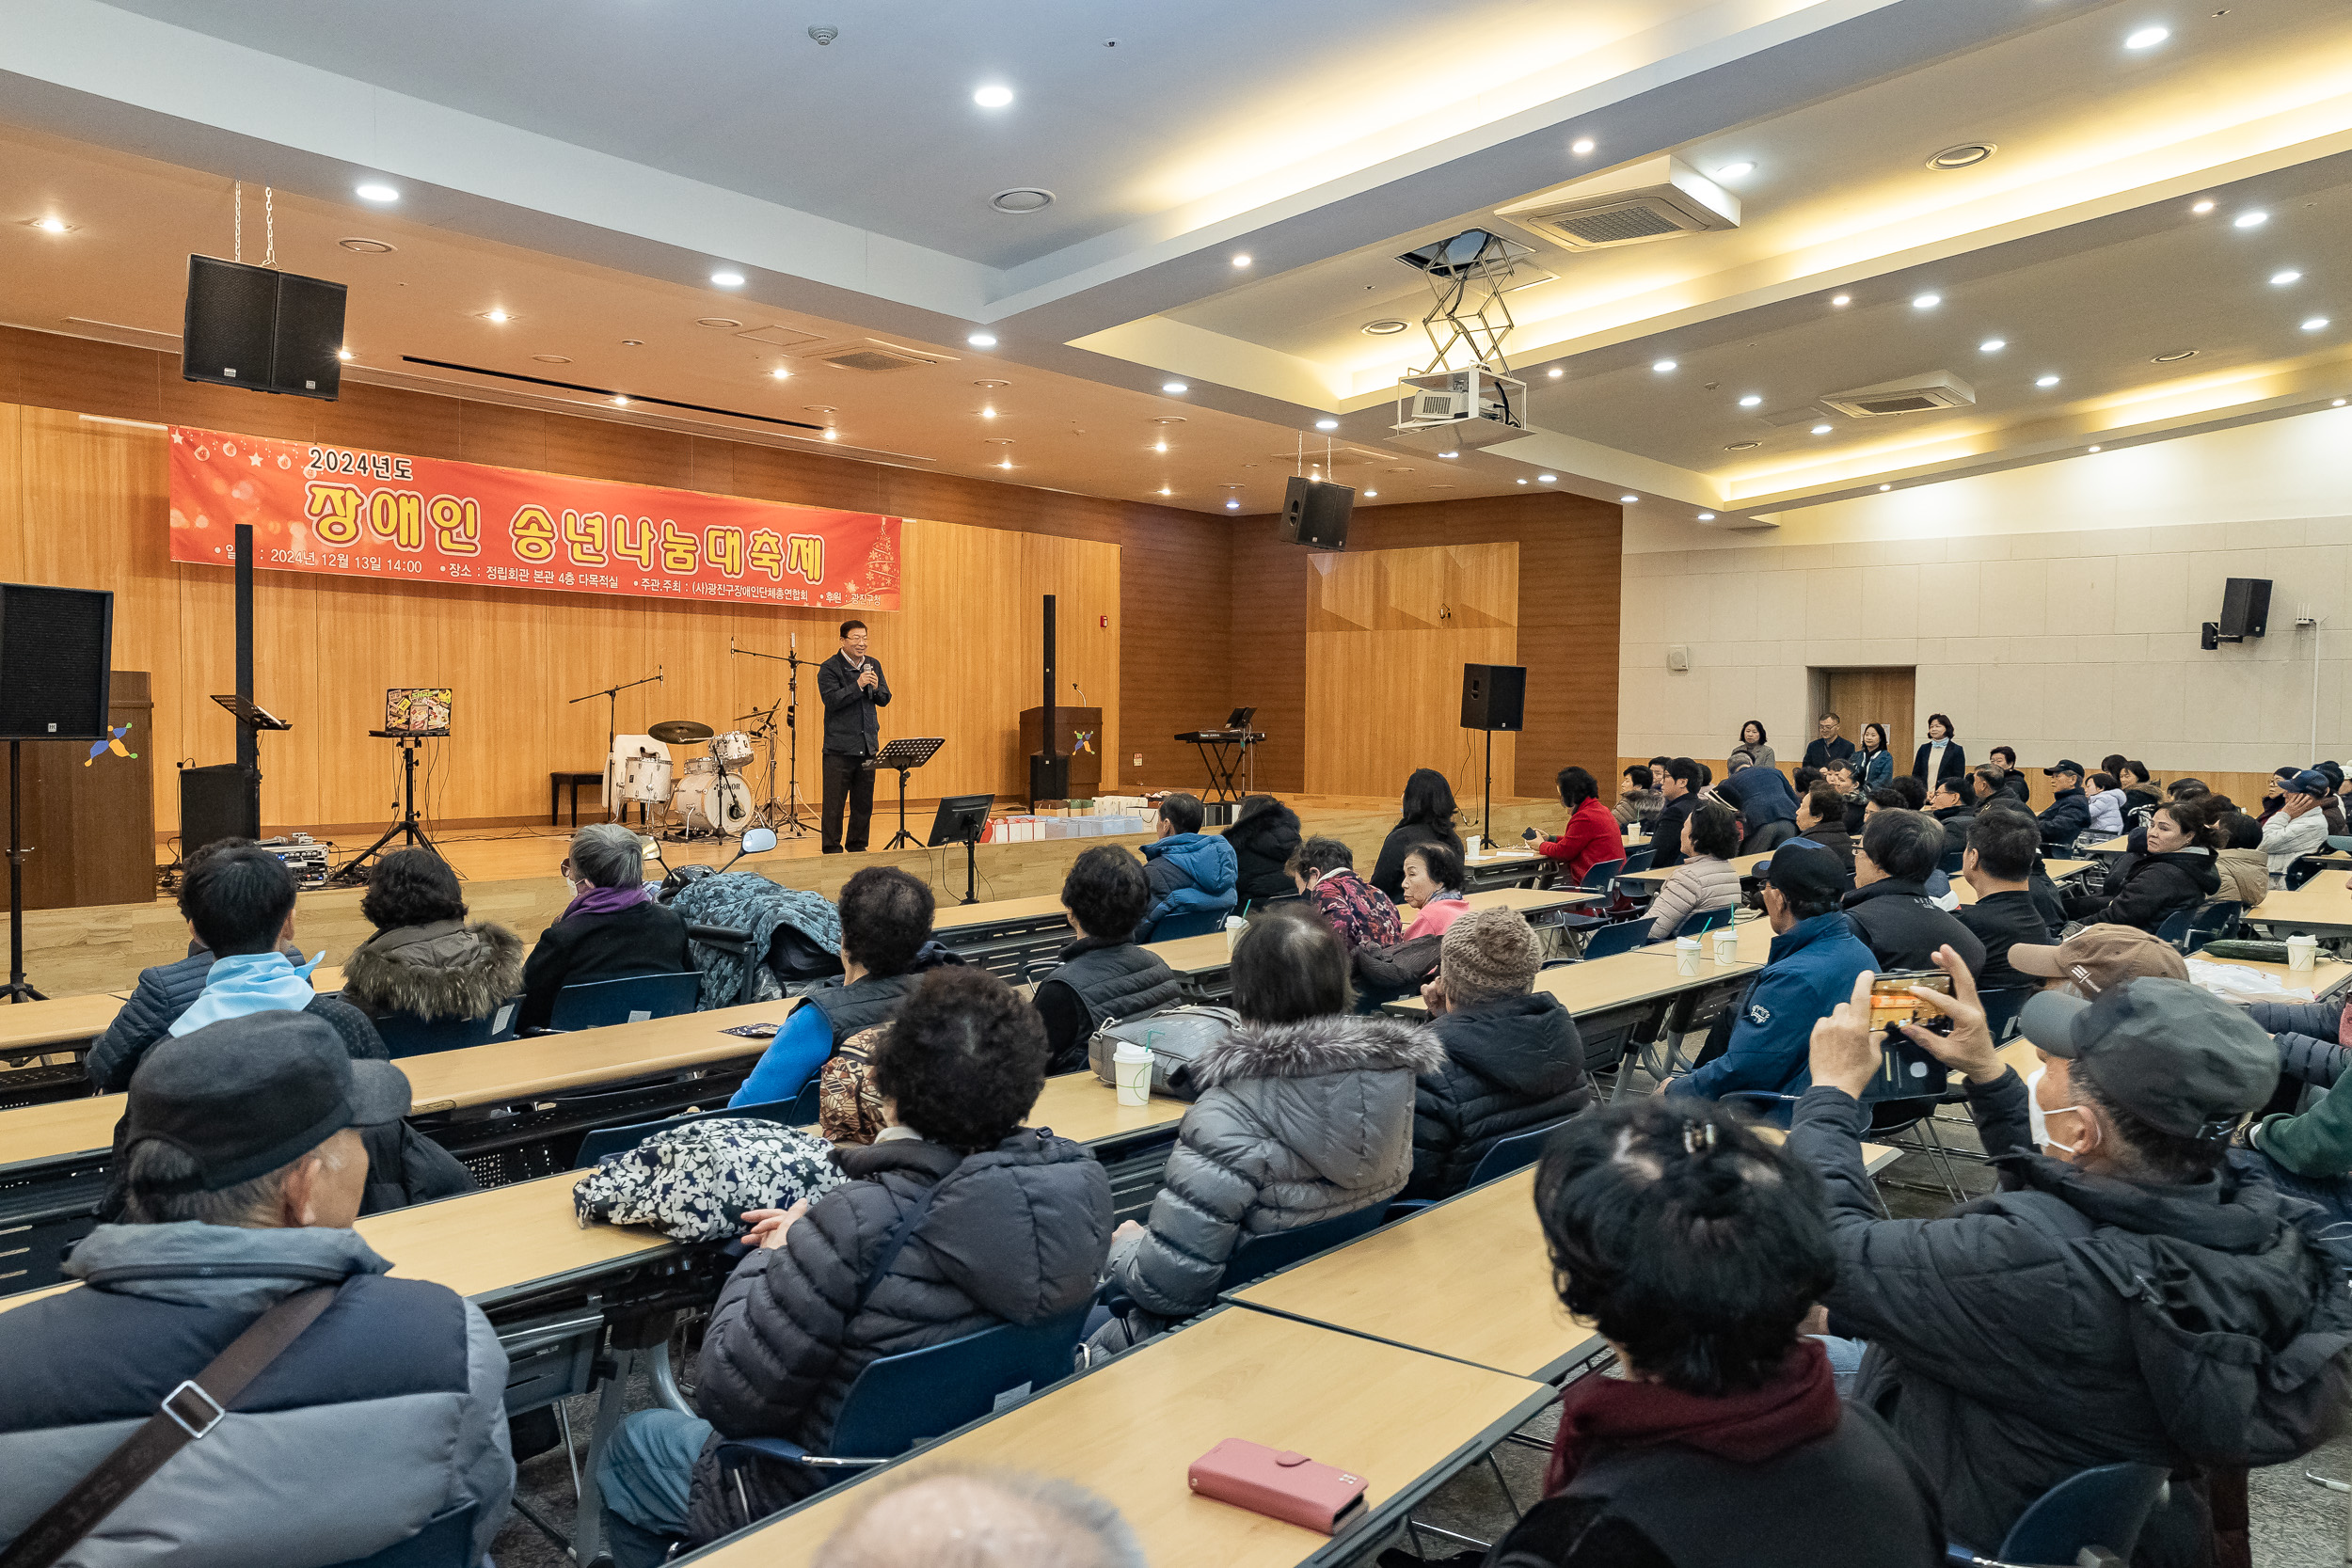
x=1049, y=778
x=1494, y=696
x=56, y=647
x=1315, y=513
x=216, y=802
x=263, y=330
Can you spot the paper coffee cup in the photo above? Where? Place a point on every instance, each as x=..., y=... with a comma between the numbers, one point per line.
x=1234, y=926
x=2302, y=951
x=1469, y=847
x=1686, y=955
x=1727, y=944
x=1132, y=1064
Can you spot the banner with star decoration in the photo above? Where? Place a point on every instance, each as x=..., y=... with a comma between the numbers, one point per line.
x=353, y=513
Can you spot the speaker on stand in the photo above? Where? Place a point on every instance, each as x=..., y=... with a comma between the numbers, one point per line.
x=56, y=652
x=1494, y=697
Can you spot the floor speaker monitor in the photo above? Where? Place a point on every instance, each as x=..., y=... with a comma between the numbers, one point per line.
x=261, y=329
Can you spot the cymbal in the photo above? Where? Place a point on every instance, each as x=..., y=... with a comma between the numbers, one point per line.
x=679, y=732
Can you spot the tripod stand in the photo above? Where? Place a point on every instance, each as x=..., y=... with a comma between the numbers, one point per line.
x=790, y=825
x=408, y=827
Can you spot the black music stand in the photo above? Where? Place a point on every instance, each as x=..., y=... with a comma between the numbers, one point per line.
x=906, y=756
x=961, y=819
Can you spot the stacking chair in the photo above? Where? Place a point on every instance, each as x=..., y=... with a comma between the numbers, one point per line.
x=808, y=1104
x=2213, y=921
x=2103, y=1507
x=406, y=1035
x=2174, y=928
x=1611, y=939
x=1700, y=921
x=1639, y=860
x=1260, y=1256
x=595, y=1003
x=1197, y=922
x=1600, y=877
x=612, y=1140
x=1504, y=1156
x=2302, y=869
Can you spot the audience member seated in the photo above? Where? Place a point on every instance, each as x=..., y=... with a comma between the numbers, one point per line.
x=1839, y=777
x=886, y=948
x=1766, y=804
x=2105, y=797
x=424, y=961
x=239, y=902
x=2010, y=1342
x=1433, y=883
x=1821, y=819
x=612, y=929
x=2013, y=783
x=1757, y=744
x=242, y=1170
x=1591, y=835
x=1890, y=906
x=2178, y=872
x=1827, y=745
x=1513, y=1059
x=1427, y=817
x=2140, y=793
x=2002, y=847
x=1304, y=1114
x=1947, y=802
x=1697, y=1249
x=2274, y=792
x=1263, y=835
x=2245, y=870
x=1360, y=914
x=956, y=1219
x=2298, y=826
x=1189, y=871
x=1102, y=974
x=1639, y=802
x=1939, y=757
x=1706, y=880
x=2308, y=1154
x=1913, y=793
x=2332, y=803
x=2067, y=815
x=1814, y=958
x=1679, y=783
x=1873, y=764
x=950, y=1516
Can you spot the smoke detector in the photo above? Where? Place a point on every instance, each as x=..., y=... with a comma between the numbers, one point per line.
x=1910, y=395
x=1657, y=199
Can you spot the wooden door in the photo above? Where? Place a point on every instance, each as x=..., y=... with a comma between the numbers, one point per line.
x=1883, y=697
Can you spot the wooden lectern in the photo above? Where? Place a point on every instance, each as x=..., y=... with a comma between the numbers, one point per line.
x=1073, y=725
x=91, y=829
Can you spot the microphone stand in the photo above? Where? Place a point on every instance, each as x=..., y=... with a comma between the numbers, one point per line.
x=792, y=826
x=611, y=695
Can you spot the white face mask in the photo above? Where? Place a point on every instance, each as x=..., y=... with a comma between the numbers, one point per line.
x=2038, y=1120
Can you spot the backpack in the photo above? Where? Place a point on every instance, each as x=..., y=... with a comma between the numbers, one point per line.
x=693, y=1182
x=1176, y=1036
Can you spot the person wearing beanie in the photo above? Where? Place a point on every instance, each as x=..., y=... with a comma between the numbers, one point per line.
x=1513, y=1060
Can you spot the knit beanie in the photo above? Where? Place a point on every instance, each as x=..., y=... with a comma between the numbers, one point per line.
x=1489, y=955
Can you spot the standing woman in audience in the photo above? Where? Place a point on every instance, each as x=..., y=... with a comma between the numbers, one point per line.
x=1940, y=757
x=2178, y=872
x=1433, y=890
x=1873, y=764
x=1706, y=880
x=1592, y=834
x=1754, y=741
x=1427, y=818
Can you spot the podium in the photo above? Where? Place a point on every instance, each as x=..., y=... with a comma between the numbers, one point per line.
x=93, y=828
x=1070, y=723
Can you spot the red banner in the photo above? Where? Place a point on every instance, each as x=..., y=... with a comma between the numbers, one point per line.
x=377, y=515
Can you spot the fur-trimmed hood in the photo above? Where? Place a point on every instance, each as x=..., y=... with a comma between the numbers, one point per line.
x=445, y=970
x=1337, y=1042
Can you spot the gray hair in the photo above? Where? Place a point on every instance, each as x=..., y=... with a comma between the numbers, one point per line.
x=159, y=1188
x=977, y=1517
x=608, y=855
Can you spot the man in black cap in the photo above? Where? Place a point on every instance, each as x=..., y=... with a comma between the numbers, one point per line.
x=244, y=1168
x=2125, y=1295
x=2068, y=813
x=1814, y=958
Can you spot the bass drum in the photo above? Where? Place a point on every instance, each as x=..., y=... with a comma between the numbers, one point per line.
x=719, y=800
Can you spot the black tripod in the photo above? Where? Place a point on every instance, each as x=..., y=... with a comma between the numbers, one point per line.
x=18, y=990
x=409, y=826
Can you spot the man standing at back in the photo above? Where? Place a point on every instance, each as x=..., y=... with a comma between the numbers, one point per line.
x=852, y=687
x=378, y=1411
x=1189, y=872
x=1827, y=743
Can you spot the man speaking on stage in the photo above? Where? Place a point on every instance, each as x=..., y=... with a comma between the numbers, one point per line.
x=852, y=686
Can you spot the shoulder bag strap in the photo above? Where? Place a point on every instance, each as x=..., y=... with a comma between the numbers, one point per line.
x=187, y=1415
x=896, y=1243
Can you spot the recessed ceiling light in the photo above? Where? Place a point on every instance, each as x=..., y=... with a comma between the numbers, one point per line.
x=1751, y=400
x=1449, y=454
x=728, y=280
x=1326, y=424
x=1555, y=372
x=1993, y=345
x=1841, y=301
x=2045, y=381
x=1820, y=430
x=2250, y=220
x=2172, y=357
x=2280, y=280
x=1159, y=446
x=833, y=436
x=1967, y=154
x=1662, y=366
x=716, y=321
x=2315, y=324
x=2147, y=38
x=1627, y=500
x=992, y=97
x=992, y=383
x=1884, y=489
x=1707, y=516
x=982, y=340
x=1022, y=199
x=1734, y=171
x=1546, y=479
x=1518, y=481
x=818, y=409
x=988, y=412
x=1926, y=302
x=2338, y=404
x=2093, y=449
x=553, y=359
x=1383, y=329
x=1166, y=418
x=500, y=317
x=1166, y=491
x=1006, y=464
x=1581, y=145
x=50, y=226
x=780, y=373
x=1742, y=446
x=632, y=342
x=1232, y=506
x=2203, y=207
x=620, y=399
x=1370, y=494
x=1174, y=389
x=365, y=248
x=1241, y=260
x=377, y=193
x=342, y=354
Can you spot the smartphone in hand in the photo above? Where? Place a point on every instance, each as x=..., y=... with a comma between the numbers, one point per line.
x=1906, y=1071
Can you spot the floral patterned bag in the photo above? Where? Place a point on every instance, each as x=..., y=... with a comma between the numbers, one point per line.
x=693, y=1182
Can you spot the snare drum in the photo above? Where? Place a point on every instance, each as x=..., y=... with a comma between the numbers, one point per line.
x=733, y=749
x=648, y=780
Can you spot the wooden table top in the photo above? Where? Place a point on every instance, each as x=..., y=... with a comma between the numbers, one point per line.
x=1619, y=980
x=1128, y=1430
x=2322, y=903
x=1044, y=906
x=1081, y=1107
x=28, y=1025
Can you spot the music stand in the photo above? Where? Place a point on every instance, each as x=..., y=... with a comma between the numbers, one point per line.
x=960, y=819
x=906, y=756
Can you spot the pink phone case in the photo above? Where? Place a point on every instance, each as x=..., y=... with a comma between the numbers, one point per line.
x=1280, y=1484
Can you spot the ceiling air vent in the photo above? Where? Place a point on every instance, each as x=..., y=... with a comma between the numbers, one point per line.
x=866, y=354
x=1656, y=198
x=1911, y=395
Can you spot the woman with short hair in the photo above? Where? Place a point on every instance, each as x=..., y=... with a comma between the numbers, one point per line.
x=612, y=929
x=1940, y=756
x=1592, y=835
x=1706, y=880
x=1433, y=890
x=424, y=961
x=1325, y=870
x=1102, y=974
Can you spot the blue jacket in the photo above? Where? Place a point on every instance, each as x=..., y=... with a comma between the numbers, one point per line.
x=1811, y=970
x=1187, y=874
x=1874, y=770
x=1759, y=795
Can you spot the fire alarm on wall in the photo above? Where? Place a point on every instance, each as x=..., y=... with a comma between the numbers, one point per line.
x=1103, y=621
x=1139, y=759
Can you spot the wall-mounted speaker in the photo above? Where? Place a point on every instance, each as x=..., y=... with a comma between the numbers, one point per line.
x=1494, y=696
x=1315, y=513
x=56, y=650
x=1678, y=656
x=261, y=329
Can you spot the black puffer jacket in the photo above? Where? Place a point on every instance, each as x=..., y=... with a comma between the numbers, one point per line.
x=1263, y=842
x=1511, y=1064
x=2149, y=889
x=1902, y=926
x=1016, y=1234
x=445, y=970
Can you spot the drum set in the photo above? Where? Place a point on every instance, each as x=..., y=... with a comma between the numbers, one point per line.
x=713, y=796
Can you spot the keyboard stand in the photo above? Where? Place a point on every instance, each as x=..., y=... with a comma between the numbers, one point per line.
x=1225, y=752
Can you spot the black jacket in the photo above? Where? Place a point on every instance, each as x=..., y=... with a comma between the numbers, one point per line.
x=2139, y=804
x=2000, y=921
x=1898, y=923
x=2067, y=816
x=1957, y=820
x=1387, y=874
x=2072, y=1319
x=644, y=939
x=2149, y=889
x=852, y=727
x=1095, y=981
x=1510, y=1065
x=851, y=1007
x=1263, y=842
x=1015, y=1234
x=1665, y=837
x=1819, y=752
x=1955, y=763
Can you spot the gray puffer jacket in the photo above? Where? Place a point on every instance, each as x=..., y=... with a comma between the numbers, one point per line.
x=447, y=969
x=1296, y=1123
x=385, y=1413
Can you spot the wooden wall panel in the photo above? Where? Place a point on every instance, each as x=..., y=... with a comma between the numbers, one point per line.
x=1401, y=623
x=1266, y=665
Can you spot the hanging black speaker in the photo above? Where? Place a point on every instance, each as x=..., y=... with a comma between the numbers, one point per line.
x=1315, y=513
x=261, y=329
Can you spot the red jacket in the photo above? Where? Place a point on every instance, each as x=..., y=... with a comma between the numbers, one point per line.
x=1591, y=837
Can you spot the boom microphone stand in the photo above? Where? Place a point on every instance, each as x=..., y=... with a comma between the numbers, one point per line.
x=791, y=826
x=611, y=695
